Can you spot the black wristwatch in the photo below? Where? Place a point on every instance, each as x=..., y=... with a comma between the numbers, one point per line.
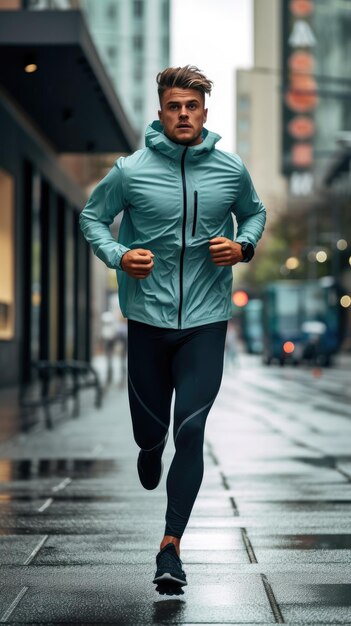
x=248, y=251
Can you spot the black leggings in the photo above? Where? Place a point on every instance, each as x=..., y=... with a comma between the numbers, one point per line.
x=190, y=362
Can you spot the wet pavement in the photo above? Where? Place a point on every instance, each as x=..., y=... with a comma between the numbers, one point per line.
x=269, y=540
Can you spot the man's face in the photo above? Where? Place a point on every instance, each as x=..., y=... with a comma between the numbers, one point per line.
x=183, y=115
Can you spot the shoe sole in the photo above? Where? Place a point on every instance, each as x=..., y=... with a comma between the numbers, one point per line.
x=168, y=578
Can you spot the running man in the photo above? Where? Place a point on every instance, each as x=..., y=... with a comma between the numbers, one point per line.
x=174, y=259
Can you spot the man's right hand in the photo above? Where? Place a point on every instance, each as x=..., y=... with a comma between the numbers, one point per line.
x=137, y=263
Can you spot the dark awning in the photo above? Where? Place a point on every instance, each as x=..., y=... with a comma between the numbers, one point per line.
x=70, y=97
x=339, y=165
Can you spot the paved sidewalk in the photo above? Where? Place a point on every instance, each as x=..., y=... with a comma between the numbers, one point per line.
x=269, y=540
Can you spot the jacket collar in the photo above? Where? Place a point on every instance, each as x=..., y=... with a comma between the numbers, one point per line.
x=156, y=139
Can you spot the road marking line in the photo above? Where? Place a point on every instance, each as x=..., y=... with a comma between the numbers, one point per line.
x=224, y=480
x=12, y=607
x=278, y=616
x=248, y=545
x=36, y=550
x=62, y=484
x=234, y=506
x=46, y=505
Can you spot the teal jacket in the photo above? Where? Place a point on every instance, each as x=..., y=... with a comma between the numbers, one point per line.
x=175, y=198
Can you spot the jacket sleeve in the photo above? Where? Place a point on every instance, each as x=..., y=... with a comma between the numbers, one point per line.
x=106, y=201
x=249, y=211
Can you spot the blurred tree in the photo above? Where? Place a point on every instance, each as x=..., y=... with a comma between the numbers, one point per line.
x=298, y=233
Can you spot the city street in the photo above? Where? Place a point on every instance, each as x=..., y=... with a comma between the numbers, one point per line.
x=175, y=169
x=269, y=540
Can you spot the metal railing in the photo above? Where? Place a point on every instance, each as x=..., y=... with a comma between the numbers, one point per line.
x=57, y=383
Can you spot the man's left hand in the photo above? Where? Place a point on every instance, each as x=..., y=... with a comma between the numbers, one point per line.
x=224, y=251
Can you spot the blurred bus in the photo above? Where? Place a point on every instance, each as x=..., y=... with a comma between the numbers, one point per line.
x=302, y=321
x=252, y=326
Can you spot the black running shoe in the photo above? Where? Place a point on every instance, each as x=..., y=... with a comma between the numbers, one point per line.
x=169, y=568
x=150, y=468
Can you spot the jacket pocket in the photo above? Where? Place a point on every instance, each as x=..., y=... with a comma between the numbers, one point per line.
x=195, y=214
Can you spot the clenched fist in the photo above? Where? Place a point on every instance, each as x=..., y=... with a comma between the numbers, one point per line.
x=224, y=251
x=137, y=263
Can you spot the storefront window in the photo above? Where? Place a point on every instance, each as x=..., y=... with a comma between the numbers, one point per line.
x=332, y=27
x=36, y=269
x=7, y=291
x=69, y=287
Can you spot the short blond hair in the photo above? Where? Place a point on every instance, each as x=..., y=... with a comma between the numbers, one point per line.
x=187, y=77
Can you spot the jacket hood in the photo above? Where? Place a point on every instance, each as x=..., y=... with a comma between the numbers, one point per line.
x=156, y=139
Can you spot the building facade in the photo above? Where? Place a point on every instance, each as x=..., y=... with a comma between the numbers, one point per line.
x=316, y=48
x=133, y=39
x=258, y=126
x=293, y=114
x=45, y=279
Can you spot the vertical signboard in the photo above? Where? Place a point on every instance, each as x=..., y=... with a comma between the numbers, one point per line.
x=299, y=97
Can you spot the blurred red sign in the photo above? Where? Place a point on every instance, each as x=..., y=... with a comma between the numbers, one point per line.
x=302, y=154
x=301, y=127
x=302, y=94
x=301, y=8
x=301, y=61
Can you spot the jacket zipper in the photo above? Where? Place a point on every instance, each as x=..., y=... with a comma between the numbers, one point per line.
x=181, y=265
x=195, y=214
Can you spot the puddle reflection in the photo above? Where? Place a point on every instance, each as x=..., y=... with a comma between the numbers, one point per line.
x=332, y=595
x=310, y=542
x=168, y=610
x=27, y=469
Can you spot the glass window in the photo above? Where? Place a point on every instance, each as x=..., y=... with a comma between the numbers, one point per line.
x=138, y=8
x=70, y=283
x=243, y=103
x=331, y=26
x=314, y=302
x=138, y=72
x=53, y=4
x=165, y=47
x=243, y=125
x=287, y=301
x=287, y=310
x=138, y=42
x=111, y=51
x=111, y=11
x=138, y=105
x=165, y=12
x=243, y=146
x=36, y=270
x=7, y=279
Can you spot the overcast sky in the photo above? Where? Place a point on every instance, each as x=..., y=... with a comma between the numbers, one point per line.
x=215, y=35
